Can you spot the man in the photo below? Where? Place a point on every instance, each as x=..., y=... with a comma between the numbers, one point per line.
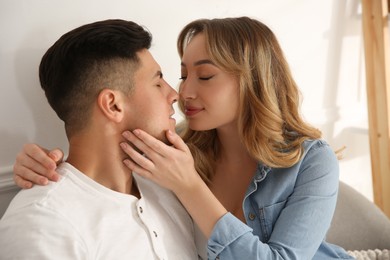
x=101, y=79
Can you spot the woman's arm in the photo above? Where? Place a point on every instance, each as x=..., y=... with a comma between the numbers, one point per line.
x=36, y=165
x=296, y=234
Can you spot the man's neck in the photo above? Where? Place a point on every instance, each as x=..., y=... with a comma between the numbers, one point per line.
x=102, y=161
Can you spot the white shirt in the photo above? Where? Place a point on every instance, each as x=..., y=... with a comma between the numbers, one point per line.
x=77, y=218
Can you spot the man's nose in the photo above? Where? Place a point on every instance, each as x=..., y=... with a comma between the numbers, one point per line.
x=173, y=95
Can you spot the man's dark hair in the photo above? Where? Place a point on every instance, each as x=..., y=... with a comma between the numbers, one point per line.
x=86, y=60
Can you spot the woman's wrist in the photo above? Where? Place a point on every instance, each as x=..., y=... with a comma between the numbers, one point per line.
x=202, y=205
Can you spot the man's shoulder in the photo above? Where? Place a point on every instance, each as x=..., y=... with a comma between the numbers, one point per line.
x=52, y=196
x=34, y=226
x=27, y=198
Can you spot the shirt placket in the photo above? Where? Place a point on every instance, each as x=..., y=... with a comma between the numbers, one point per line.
x=153, y=231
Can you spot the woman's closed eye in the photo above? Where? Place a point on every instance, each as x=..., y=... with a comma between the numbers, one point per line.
x=183, y=78
x=206, y=78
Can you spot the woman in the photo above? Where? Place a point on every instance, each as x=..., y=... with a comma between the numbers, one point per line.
x=263, y=185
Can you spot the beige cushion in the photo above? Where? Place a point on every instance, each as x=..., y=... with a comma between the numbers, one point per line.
x=358, y=224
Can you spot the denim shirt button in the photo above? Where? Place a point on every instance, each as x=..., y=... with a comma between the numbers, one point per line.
x=251, y=216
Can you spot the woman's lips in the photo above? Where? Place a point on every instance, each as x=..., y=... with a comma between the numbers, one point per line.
x=191, y=111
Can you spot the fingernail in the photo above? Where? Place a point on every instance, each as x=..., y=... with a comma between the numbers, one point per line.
x=126, y=134
x=54, y=155
x=55, y=177
x=123, y=145
x=44, y=181
x=136, y=132
x=126, y=162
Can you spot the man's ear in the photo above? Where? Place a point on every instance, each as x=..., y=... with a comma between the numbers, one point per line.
x=111, y=103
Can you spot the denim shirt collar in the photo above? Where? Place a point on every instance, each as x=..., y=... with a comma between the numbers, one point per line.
x=261, y=173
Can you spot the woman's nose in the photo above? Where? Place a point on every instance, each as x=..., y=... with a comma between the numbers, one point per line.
x=186, y=91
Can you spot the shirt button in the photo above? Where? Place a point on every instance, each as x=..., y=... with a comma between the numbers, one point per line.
x=155, y=233
x=141, y=209
x=251, y=216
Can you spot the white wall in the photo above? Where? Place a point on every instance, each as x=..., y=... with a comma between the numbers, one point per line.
x=322, y=41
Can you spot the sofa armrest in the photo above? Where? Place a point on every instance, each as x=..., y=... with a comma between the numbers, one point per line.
x=358, y=224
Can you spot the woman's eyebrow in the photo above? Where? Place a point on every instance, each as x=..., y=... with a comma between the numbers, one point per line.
x=199, y=62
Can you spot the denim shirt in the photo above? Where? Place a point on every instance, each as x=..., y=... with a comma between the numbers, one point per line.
x=287, y=211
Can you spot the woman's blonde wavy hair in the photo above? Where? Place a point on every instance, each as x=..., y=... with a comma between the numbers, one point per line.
x=270, y=125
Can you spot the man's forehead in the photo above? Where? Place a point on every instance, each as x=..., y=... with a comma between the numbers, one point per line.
x=149, y=65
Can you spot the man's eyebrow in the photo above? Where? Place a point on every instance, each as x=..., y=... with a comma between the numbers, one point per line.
x=199, y=62
x=158, y=74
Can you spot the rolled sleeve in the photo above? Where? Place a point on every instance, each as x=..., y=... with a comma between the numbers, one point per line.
x=227, y=230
